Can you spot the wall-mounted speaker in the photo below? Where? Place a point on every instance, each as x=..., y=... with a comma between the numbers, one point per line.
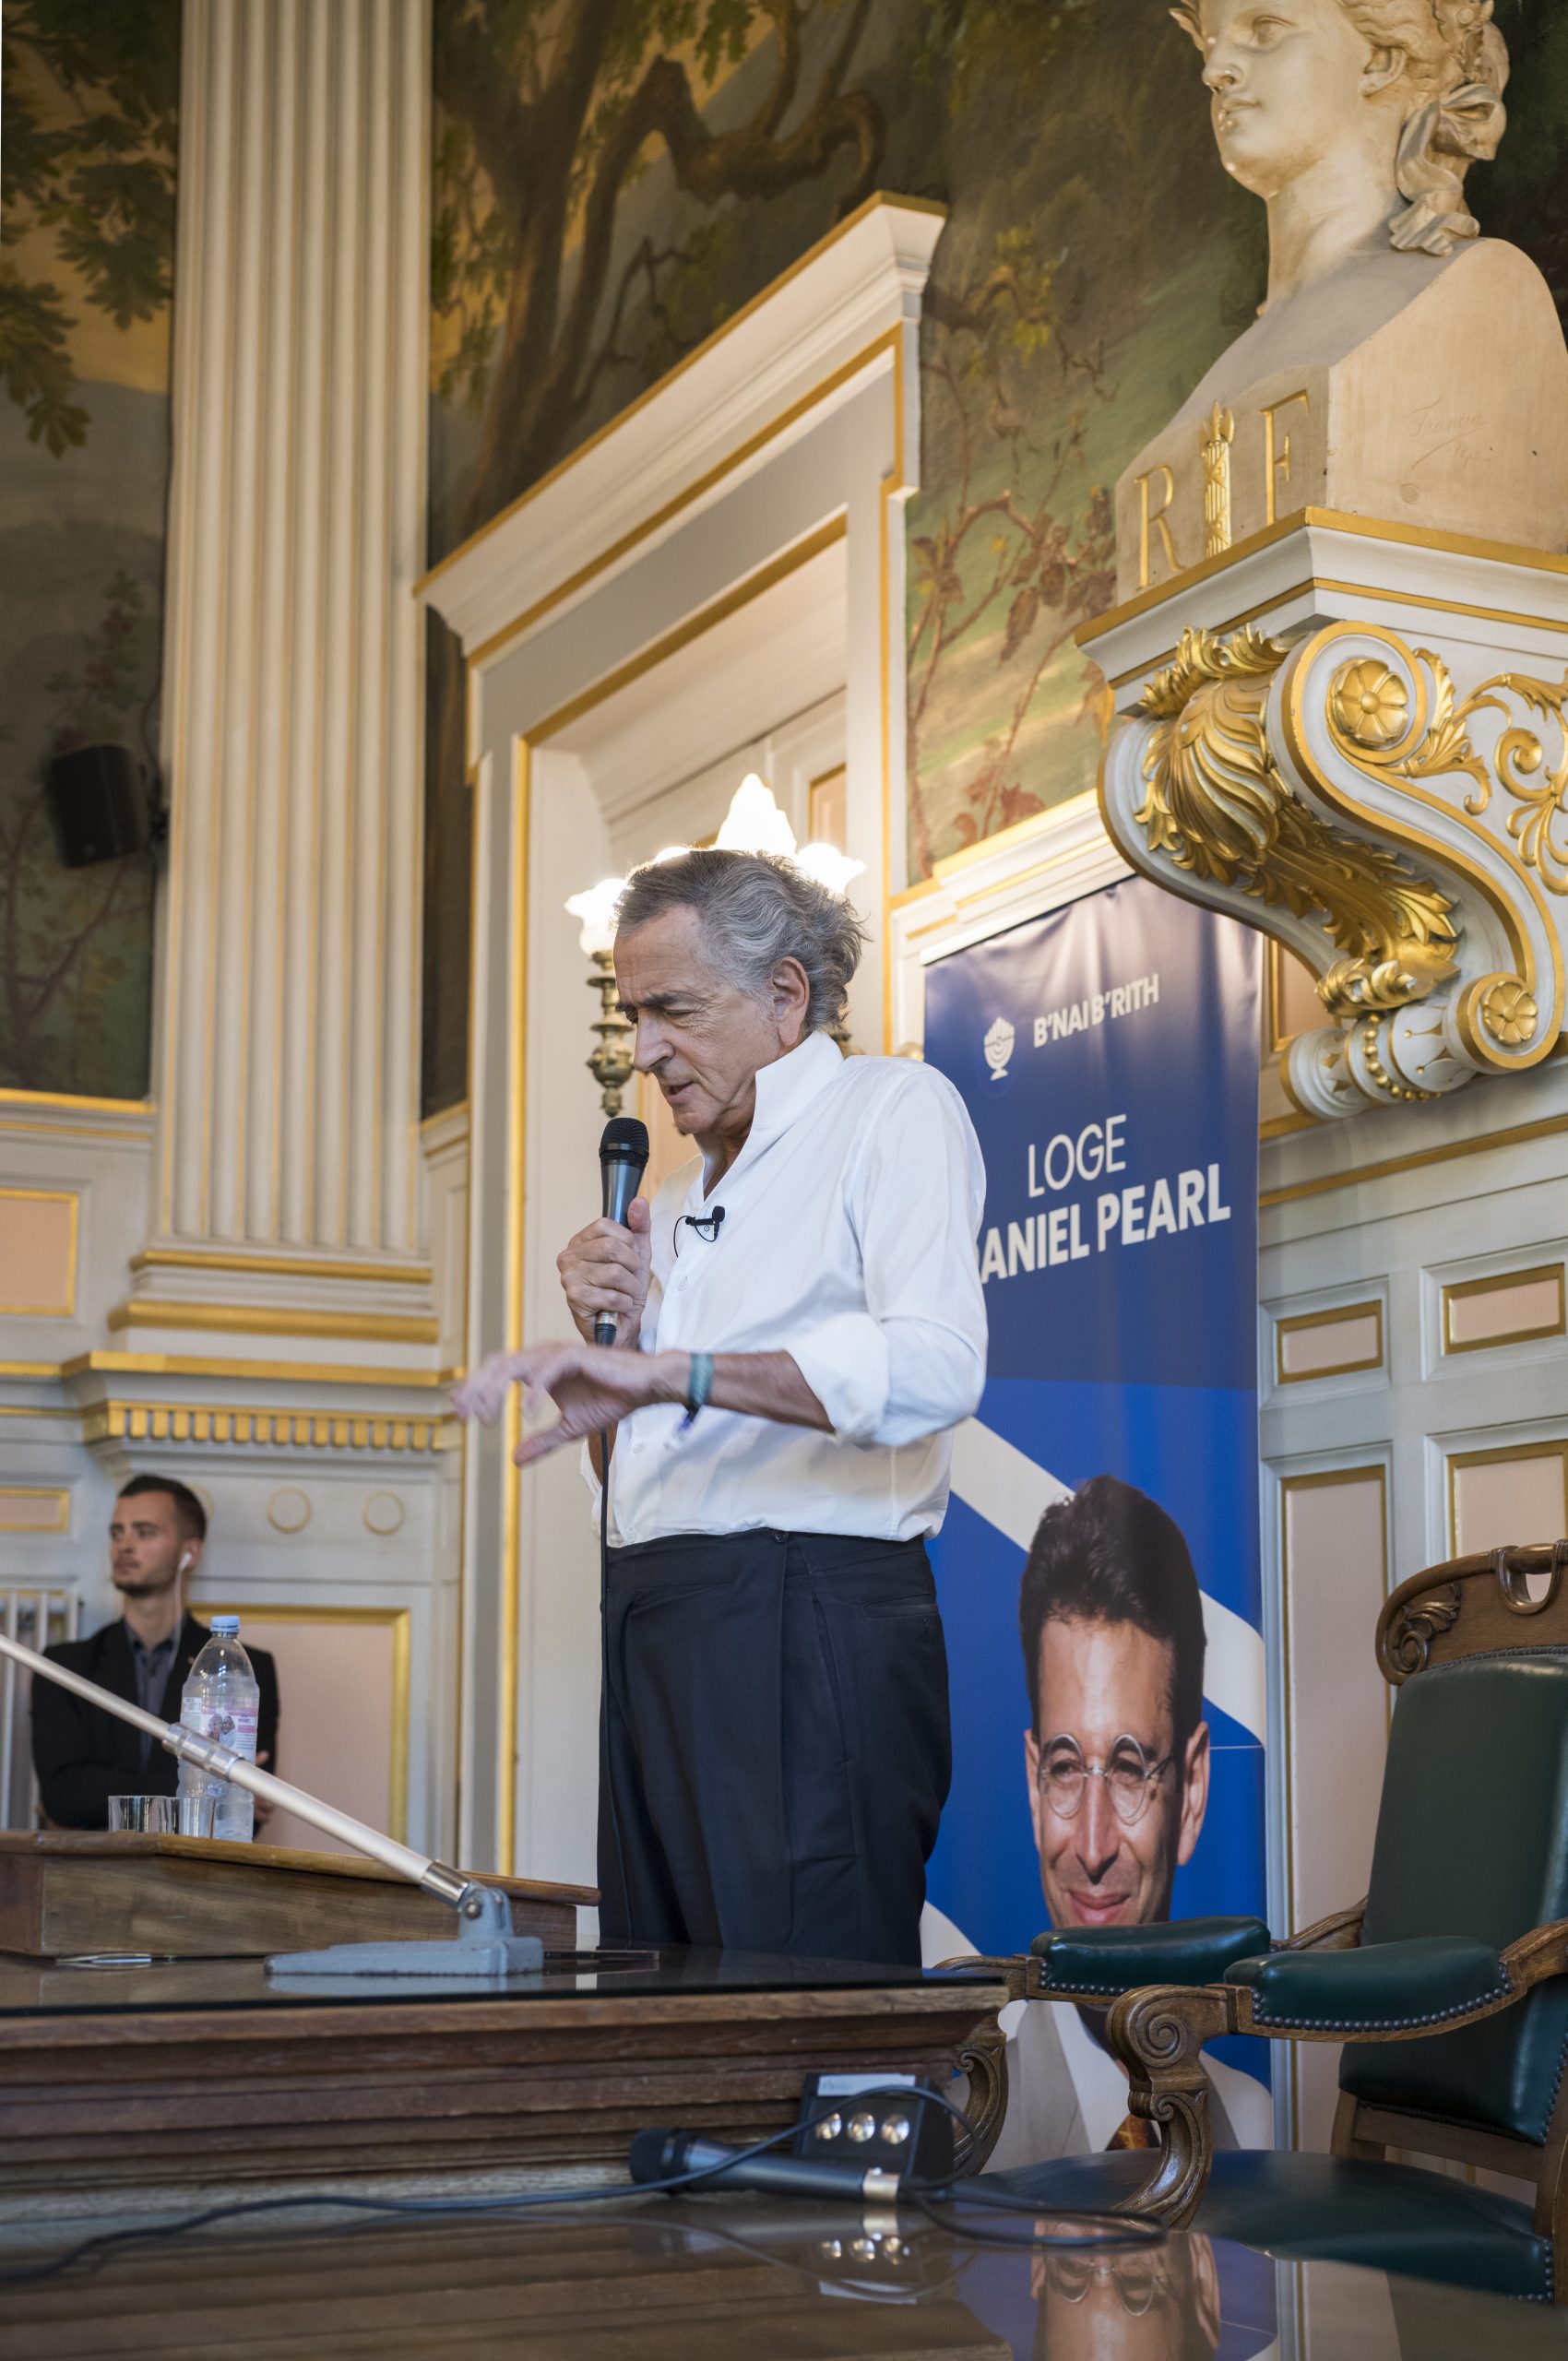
x=101, y=803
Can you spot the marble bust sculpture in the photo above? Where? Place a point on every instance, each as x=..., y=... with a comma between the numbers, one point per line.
x=1402, y=367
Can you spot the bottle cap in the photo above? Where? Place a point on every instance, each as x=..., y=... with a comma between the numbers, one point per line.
x=226, y=1626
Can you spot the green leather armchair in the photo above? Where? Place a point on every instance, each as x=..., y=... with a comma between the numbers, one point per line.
x=1448, y=1986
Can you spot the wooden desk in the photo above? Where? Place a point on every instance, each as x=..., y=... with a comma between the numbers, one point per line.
x=198, y=2074
x=723, y=2279
x=202, y=2069
x=661, y=2283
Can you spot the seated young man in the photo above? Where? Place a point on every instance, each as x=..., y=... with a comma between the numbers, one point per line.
x=84, y=1755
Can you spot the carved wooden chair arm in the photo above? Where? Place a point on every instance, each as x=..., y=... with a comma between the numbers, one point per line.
x=1543, y=1952
x=1321, y=1986
x=1326, y=1992
x=1341, y=1931
x=1015, y=1973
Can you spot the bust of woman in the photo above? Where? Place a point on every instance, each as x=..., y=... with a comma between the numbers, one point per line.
x=1402, y=366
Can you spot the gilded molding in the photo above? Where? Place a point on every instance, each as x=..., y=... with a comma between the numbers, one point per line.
x=267, y=1319
x=1405, y=833
x=1218, y=806
x=200, y=1424
x=1369, y=716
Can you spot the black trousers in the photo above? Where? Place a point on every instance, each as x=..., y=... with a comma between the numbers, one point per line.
x=774, y=1744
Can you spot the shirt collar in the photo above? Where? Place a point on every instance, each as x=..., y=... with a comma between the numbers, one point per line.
x=164, y=1648
x=786, y=1088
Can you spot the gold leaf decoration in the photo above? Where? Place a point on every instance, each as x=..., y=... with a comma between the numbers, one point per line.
x=1216, y=805
x=1518, y=764
x=1371, y=703
x=1509, y=1012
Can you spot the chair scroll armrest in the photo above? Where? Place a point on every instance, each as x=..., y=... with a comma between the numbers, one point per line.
x=1099, y=1963
x=1159, y=2035
x=1378, y=1992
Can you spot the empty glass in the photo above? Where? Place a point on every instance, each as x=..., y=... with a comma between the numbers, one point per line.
x=162, y=1815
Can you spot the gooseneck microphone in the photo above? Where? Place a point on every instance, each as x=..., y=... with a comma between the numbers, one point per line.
x=622, y=1160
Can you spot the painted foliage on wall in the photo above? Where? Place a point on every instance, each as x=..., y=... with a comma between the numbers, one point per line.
x=613, y=178
x=85, y=265
x=1096, y=260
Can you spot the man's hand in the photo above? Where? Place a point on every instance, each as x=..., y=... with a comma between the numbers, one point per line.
x=606, y=1268
x=593, y=1386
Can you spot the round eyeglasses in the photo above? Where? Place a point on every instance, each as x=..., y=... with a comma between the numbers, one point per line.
x=1128, y=1773
x=1136, y=2280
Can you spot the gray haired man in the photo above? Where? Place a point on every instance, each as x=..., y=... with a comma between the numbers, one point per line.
x=774, y=1738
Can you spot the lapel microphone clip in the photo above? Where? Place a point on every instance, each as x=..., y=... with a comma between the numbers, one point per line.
x=708, y=1226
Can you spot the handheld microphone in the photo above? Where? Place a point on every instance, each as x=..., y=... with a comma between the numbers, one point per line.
x=665, y=2155
x=622, y=1160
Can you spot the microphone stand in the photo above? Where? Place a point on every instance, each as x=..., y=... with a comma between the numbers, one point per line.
x=483, y=1949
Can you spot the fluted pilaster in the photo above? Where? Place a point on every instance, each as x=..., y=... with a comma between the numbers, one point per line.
x=288, y=1020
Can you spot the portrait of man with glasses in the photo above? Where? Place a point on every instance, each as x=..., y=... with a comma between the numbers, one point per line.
x=1116, y=1756
x=1159, y=2304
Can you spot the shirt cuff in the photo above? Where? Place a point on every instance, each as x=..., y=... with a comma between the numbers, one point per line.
x=845, y=1362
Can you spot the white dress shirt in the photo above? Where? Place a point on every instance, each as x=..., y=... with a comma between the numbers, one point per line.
x=851, y=1217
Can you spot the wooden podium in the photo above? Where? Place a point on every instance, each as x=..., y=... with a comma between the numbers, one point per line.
x=63, y=1894
x=198, y=2072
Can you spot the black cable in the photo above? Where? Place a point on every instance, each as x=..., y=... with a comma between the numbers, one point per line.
x=921, y=2194
x=532, y=2201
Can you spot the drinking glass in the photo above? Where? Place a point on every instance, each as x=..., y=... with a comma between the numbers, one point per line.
x=162, y=1815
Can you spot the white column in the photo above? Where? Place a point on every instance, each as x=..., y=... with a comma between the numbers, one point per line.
x=287, y=1033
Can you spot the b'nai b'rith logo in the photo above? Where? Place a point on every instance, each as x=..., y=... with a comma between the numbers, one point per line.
x=999, y=1047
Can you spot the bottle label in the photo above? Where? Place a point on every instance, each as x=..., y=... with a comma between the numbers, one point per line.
x=232, y=1727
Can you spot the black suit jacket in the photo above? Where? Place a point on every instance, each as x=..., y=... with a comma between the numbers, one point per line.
x=84, y=1755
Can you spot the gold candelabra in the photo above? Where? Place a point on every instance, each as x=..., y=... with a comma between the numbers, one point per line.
x=611, y=1064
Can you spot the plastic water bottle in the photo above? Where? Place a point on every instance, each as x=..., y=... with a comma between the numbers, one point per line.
x=222, y=1700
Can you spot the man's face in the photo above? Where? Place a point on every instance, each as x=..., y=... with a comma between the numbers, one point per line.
x=1286, y=79
x=1161, y=2304
x=145, y=1546
x=1099, y=1685
x=702, y=1039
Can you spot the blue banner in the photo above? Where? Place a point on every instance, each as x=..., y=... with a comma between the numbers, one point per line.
x=1098, y=1569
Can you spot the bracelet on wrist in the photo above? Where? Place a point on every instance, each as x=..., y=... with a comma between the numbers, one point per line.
x=699, y=1386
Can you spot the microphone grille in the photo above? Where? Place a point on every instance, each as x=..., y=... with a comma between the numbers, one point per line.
x=625, y=1139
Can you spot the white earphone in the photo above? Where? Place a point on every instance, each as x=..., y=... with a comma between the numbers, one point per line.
x=184, y=1563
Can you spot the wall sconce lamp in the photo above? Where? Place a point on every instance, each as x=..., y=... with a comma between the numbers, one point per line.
x=754, y=824
x=611, y=1064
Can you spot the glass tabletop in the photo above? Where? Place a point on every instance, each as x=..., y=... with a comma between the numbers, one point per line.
x=750, y=2279
x=108, y=1983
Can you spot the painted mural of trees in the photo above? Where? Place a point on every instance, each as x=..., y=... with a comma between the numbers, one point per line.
x=550, y=115
x=1017, y=554
x=92, y=95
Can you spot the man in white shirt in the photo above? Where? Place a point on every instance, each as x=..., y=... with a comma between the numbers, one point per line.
x=774, y=1745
